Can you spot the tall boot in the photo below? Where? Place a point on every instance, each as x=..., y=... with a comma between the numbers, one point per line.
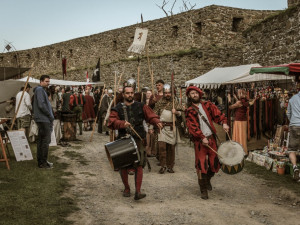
x=209, y=176
x=124, y=177
x=138, y=183
x=203, y=189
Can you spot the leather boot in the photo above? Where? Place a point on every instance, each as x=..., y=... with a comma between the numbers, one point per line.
x=208, y=184
x=203, y=188
x=139, y=196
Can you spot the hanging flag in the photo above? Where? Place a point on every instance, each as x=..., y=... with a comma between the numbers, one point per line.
x=96, y=73
x=87, y=77
x=139, y=41
x=64, y=67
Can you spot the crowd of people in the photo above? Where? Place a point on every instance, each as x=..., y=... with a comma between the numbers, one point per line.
x=154, y=120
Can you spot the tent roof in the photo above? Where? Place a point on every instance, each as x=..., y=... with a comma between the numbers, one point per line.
x=60, y=82
x=287, y=69
x=11, y=72
x=232, y=75
x=221, y=75
x=260, y=77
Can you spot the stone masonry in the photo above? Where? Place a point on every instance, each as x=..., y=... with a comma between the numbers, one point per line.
x=275, y=40
x=191, y=43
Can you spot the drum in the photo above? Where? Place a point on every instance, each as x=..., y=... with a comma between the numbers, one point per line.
x=69, y=127
x=231, y=157
x=122, y=153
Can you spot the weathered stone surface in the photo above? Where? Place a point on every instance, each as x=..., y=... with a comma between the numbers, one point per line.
x=217, y=42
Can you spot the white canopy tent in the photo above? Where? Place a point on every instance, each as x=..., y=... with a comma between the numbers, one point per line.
x=10, y=88
x=231, y=75
x=60, y=82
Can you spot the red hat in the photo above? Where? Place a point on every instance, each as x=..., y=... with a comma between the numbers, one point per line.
x=190, y=88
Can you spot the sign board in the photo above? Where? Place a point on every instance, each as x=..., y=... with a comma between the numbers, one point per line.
x=139, y=41
x=53, y=139
x=20, y=145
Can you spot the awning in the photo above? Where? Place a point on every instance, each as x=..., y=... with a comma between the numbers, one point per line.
x=11, y=72
x=221, y=75
x=60, y=82
x=232, y=75
x=287, y=69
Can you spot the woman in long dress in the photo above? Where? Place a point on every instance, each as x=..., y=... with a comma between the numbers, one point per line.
x=88, y=115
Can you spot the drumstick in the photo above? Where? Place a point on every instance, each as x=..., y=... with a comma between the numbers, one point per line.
x=228, y=136
x=214, y=151
x=135, y=132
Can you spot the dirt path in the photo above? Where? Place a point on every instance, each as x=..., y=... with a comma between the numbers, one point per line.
x=171, y=198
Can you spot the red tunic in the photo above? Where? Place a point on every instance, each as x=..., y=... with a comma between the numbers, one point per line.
x=192, y=122
x=240, y=113
x=88, y=109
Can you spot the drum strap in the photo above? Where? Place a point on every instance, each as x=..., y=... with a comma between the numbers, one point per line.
x=207, y=123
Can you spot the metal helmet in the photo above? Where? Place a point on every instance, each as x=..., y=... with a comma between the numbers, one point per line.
x=131, y=83
x=167, y=87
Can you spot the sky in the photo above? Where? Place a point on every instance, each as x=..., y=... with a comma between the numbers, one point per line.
x=28, y=24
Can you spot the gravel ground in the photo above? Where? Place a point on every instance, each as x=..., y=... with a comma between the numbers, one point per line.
x=171, y=198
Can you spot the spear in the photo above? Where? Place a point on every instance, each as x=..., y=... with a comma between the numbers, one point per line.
x=173, y=99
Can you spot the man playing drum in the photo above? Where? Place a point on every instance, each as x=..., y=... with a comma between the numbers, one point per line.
x=200, y=116
x=127, y=117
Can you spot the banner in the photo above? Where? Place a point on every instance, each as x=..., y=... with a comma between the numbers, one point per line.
x=64, y=67
x=139, y=41
x=96, y=74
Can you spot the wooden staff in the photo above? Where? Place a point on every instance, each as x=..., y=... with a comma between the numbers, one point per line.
x=99, y=105
x=15, y=116
x=115, y=98
x=150, y=71
x=173, y=101
x=138, y=75
x=115, y=91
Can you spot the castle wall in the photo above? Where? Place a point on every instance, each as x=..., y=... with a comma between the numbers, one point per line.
x=276, y=40
x=196, y=41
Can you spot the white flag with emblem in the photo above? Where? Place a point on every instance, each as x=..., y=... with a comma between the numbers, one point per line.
x=139, y=41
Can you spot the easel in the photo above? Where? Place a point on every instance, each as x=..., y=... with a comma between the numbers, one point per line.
x=4, y=159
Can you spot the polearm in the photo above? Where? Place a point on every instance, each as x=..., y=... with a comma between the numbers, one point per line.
x=138, y=74
x=173, y=100
x=15, y=116
x=99, y=106
x=150, y=71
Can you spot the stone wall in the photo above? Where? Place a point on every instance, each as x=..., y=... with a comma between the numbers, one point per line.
x=196, y=42
x=275, y=40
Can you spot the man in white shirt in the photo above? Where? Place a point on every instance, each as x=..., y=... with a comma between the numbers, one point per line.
x=24, y=112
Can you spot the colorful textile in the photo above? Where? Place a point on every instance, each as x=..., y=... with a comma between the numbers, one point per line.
x=240, y=134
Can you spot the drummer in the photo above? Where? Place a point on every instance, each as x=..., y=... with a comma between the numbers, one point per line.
x=203, y=135
x=125, y=116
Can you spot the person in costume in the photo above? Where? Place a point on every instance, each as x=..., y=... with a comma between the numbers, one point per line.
x=240, y=118
x=203, y=135
x=123, y=117
x=167, y=137
x=156, y=97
